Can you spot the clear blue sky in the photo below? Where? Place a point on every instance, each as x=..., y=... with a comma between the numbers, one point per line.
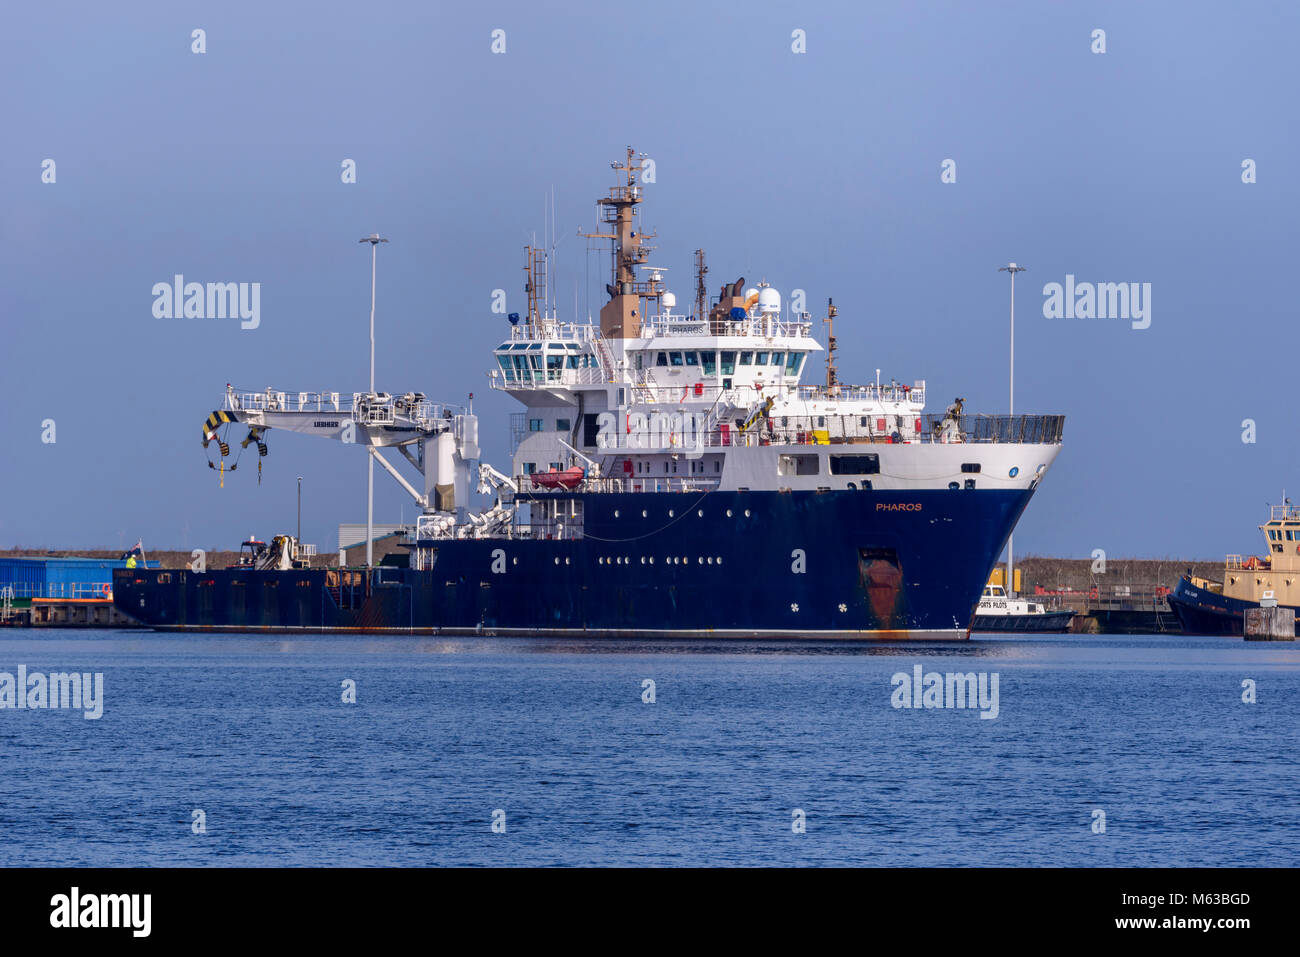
x=819, y=171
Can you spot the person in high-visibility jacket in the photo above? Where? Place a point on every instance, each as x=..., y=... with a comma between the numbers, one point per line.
x=130, y=562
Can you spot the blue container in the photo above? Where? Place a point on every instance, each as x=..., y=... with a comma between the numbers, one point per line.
x=60, y=577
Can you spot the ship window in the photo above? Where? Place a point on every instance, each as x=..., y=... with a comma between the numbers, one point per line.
x=821, y=421
x=675, y=358
x=555, y=466
x=855, y=464
x=797, y=465
x=1277, y=548
x=792, y=362
x=970, y=466
x=746, y=358
x=563, y=425
x=710, y=362
x=661, y=359
x=799, y=364
x=717, y=466
x=728, y=364
x=760, y=359
x=639, y=359
x=504, y=363
x=530, y=468
x=692, y=359
x=571, y=362
x=778, y=359
x=534, y=425
x=970, y=483
x=862, y=421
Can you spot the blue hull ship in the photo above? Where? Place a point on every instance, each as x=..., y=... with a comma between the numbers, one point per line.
x=671, y=476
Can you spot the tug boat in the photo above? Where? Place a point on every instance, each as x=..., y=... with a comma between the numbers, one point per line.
x=672, y=475
x=1208, y=607
x=998, y=611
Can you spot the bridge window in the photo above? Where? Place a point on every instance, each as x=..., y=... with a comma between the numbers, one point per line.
x=728, y=364
x=760, y=359
x=710, y=362
x=855, y=464
x=661, y=359
x=747, y=358
x=778, y=359
x=792, y=362
x=692, y=359
x=675, y=358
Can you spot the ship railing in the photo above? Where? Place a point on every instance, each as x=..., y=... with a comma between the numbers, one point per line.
x=624, y=484
x=680, y=435
x=78, y=590
x=554, y=329
x=993, y=429
x=546, y=378
x=1249, y=563
x=894, y=392
x=1284, y=513
x=765, y=326
x=379, y=408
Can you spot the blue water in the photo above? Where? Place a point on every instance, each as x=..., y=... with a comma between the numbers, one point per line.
x=253, y=731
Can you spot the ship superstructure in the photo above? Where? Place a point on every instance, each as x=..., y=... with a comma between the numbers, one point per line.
x=672, y=473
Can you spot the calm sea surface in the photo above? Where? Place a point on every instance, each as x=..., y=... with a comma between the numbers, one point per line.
x=253, y=731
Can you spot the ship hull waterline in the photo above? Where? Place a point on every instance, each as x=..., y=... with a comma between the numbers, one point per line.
x=844, y=564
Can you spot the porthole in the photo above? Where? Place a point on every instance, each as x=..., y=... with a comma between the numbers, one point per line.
x=566, y=560
x=719, y=559
x=728, y=513
x=652, y=559
x=515, y=560
x=700, y=559
x=557, y=561
x=710, y=559
x=746, y=513
x=670, y=513
x=1014, y=471
x=616, y=513
x=700, y=513
x=644, y=513
x=642, y=559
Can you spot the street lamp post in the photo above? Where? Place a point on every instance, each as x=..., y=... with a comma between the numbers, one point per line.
x=1013, y=269
x=374, y=239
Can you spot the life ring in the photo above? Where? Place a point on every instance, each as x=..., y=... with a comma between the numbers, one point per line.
x=107, y=590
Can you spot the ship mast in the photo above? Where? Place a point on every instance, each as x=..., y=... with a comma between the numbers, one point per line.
x=701, y=292
x=534, y=285
x=832, y=377
x=620, y=318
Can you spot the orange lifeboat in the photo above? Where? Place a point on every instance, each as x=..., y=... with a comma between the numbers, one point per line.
x=568, y=478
